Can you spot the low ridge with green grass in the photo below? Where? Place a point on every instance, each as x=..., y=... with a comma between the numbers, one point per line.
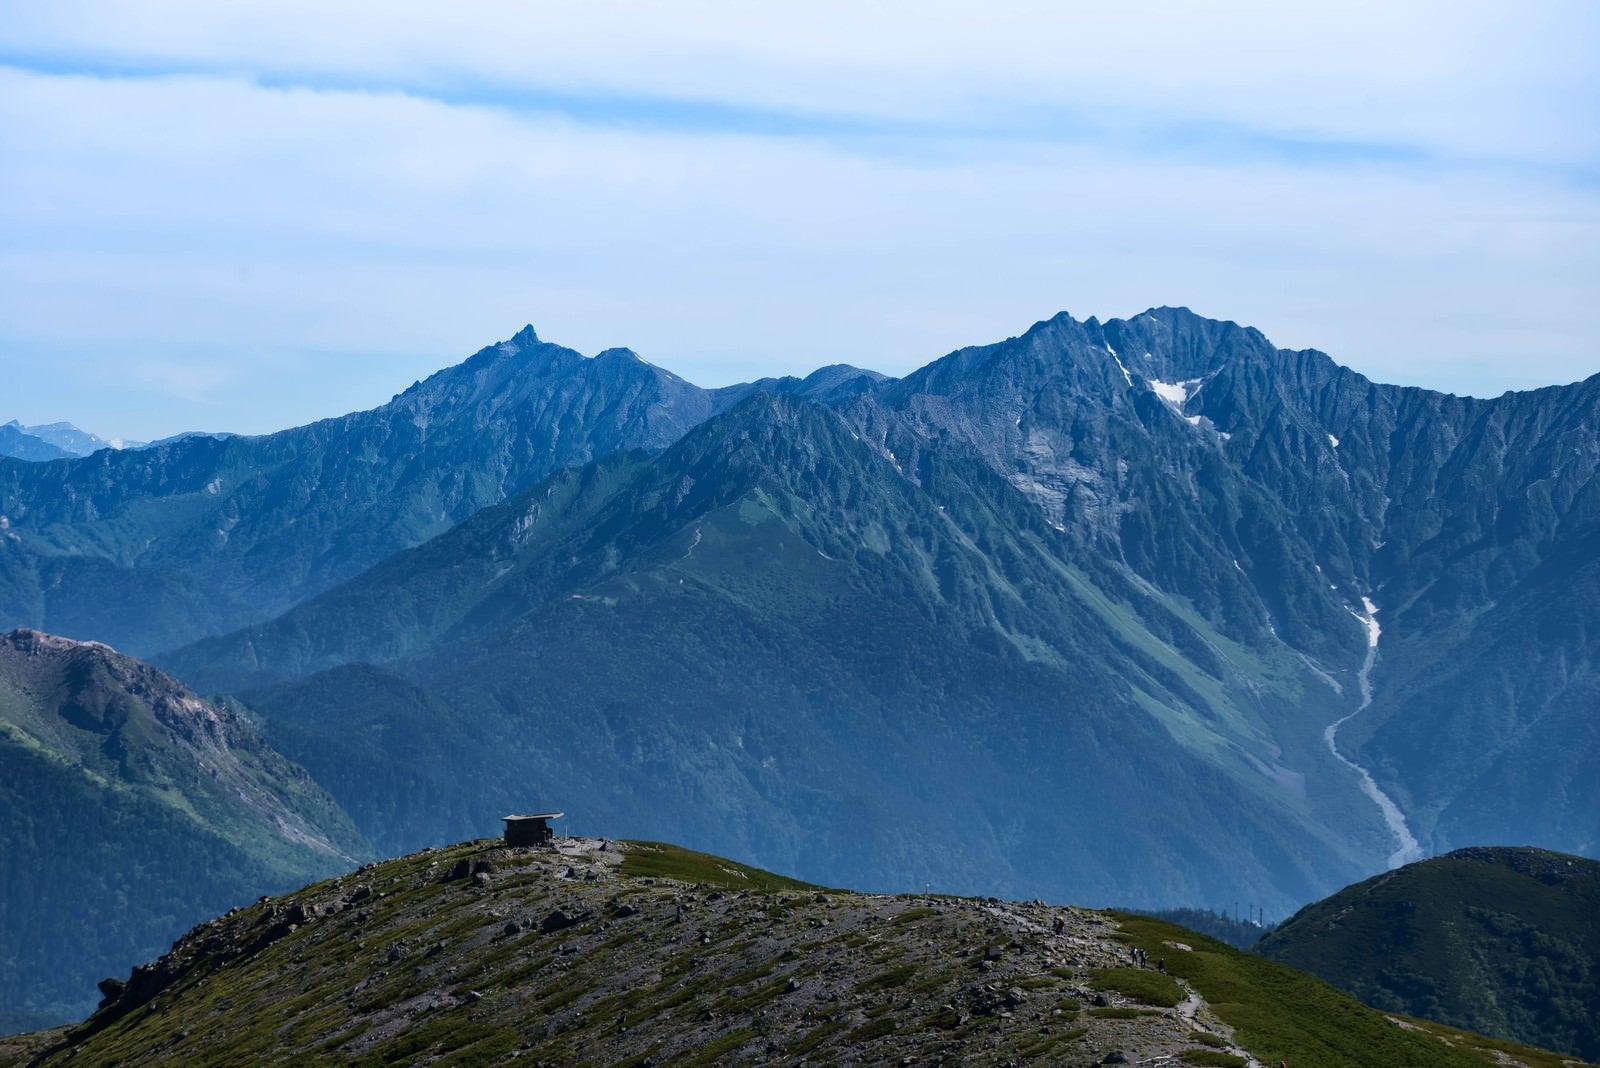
x=1505, y=941
x=641, y=953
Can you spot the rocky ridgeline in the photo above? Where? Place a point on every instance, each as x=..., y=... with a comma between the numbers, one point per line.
x=578, y=953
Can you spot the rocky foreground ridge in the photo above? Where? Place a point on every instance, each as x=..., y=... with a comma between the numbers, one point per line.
x=626, y=953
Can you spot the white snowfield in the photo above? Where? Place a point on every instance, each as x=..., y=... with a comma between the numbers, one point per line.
x=1174, y=393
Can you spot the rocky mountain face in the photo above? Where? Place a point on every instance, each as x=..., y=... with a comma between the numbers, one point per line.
x=1098, y=578
x=1272, y=491
x=593, y=951
x=778, y=636
x=129, y=808
x=1504, y=941
x=1146, y=611
x=216, y=532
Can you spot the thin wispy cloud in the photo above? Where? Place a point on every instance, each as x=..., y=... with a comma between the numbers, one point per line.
x=737, y=191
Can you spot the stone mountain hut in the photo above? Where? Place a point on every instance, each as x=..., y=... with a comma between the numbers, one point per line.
x=530, y=830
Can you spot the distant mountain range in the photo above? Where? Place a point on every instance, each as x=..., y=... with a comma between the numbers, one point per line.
x=53, y=441
x=216, y=533
x=129, y=809
x=1074, y=615
x=1503, y=941
x=60, y=441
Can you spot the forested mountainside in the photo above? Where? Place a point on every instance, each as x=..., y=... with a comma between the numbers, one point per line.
x=130, y=809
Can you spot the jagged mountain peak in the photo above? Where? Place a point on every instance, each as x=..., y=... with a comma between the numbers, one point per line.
x=1097, y=362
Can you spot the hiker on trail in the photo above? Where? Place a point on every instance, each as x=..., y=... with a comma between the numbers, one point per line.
x=1162, y=965
x=1061, y=925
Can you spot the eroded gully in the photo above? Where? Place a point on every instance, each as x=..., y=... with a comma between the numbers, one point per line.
x=1407, y=849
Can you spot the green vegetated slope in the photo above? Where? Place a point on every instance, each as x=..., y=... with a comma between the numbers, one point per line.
x=1504, y=941
x=1281, y=1014
x=595, y=952
x=129, y=809
x=1240, y=934
x=778, y=639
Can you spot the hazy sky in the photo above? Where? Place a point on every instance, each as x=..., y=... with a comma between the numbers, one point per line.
x=247, y=215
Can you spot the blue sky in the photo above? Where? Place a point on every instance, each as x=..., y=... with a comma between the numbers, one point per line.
x=249, y=215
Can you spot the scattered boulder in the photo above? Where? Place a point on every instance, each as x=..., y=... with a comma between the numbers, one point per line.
x=557, y=921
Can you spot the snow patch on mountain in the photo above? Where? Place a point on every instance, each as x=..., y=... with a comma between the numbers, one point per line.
x=1174, y=393
x=1120, y=365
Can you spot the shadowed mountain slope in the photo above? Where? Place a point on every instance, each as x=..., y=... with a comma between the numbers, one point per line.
x=1504, y=941
x=220, y=532
x=128, y=809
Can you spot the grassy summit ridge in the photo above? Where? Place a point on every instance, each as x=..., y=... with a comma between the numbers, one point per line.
x=597, y=952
